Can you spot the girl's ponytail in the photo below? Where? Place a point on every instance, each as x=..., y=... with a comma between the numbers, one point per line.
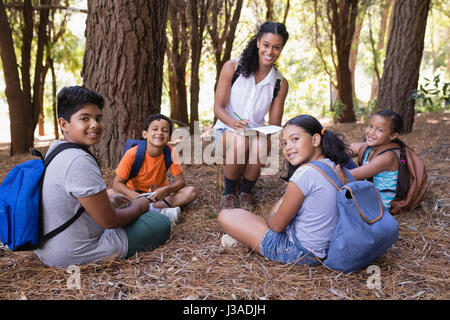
x=334, y=148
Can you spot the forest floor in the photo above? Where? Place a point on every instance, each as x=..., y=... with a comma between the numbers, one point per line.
x=193, y=265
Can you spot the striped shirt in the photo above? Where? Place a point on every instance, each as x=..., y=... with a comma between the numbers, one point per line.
x=385, y=182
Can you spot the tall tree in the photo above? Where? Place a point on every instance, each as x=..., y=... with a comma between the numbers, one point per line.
x=178, y=54
x=385, y=10
x=271, y=13
x=355, y=42
x=403, y=57
x=22, y=92
x=222, y=28
x=123, y=61
x=198, y=10
x=341, y=16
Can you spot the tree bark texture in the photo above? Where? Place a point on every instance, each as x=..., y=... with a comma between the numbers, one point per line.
x=380, y=45
x=222, y=28
x=278, y=16
x=13, y=91
x=403, y=58
x=123, y=61
x=23, y=96
x=178, y=55
x=197, y=13
x=342, y=18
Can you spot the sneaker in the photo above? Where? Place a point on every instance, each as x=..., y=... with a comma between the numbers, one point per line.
x=228, y=242
x=228, y=201
x=174, y=214
x=244, y=201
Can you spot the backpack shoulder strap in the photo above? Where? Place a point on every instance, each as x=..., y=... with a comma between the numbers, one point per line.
x=139, y=159
x=388, y=147
x=48, y=159
x=167, y=157
x=237, y=73
x=65, y=146
x=62, y=227
x=361, y=152
x=328, y=172
x=278, y=77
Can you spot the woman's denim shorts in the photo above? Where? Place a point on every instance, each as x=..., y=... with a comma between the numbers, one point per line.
x=217, y=134
x=276, y=246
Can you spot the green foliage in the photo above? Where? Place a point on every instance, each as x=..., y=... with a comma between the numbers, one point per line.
x=434, y=95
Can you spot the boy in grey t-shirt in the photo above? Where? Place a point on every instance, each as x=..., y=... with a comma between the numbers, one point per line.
x=73, y=179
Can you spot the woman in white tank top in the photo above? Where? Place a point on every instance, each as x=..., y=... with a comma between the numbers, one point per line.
x=245, y=103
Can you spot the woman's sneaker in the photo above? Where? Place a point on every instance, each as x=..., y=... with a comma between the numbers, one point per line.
x=228, y=242
x=174, y=214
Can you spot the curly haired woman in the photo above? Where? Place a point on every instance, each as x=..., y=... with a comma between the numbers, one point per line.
x=244, y=102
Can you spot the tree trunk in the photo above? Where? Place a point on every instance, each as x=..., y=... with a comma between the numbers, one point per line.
x=222, y=29
x=198, y=16
x=342, y=19
x=14, y=94
x=178, y=54
x=39, y=70
x=123, y=61
x=281, y=16
x=381, y=36
x=403, y=58
x=23, y=97
x=41, y=118
x=355, y=45
x=55, y=115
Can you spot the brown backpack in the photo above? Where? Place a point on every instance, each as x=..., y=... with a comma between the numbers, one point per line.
x=412, y=176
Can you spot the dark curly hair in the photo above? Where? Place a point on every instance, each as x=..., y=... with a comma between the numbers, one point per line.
x=249, y=58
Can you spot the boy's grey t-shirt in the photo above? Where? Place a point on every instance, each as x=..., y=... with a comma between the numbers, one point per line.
x=317, y=218
x=75, y=174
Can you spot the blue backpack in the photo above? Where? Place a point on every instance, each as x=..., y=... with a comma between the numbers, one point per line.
x=140, y=155
x=20, y=203
x=365, y=229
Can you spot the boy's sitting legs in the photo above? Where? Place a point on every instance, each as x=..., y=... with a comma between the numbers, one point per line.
x=180, y=198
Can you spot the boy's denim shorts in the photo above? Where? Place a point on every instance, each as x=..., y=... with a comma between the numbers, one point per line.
x=276, y=246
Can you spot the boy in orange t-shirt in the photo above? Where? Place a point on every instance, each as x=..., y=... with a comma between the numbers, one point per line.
x=152, y=175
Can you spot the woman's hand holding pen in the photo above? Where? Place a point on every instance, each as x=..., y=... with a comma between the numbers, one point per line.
x=240, y=124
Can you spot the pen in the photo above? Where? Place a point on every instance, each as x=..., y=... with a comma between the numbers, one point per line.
x=239, y=117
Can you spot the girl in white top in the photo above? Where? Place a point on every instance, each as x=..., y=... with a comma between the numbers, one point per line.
x=245, y=104
x=301, y=224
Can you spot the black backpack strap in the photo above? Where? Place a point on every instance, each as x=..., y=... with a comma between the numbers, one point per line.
x=65, y=146
x=276, y=88
x=236, y=74
x=47, y=160
x=390, y=149
x=63, y=227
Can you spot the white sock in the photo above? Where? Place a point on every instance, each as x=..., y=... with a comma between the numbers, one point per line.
x=152, y=208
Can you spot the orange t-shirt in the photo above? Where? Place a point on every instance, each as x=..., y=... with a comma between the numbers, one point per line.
x=153, y=172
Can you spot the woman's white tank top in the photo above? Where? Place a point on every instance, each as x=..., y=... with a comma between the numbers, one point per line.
x=249, y=100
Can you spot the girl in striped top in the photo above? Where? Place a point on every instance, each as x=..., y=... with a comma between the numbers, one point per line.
x=384, y=128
